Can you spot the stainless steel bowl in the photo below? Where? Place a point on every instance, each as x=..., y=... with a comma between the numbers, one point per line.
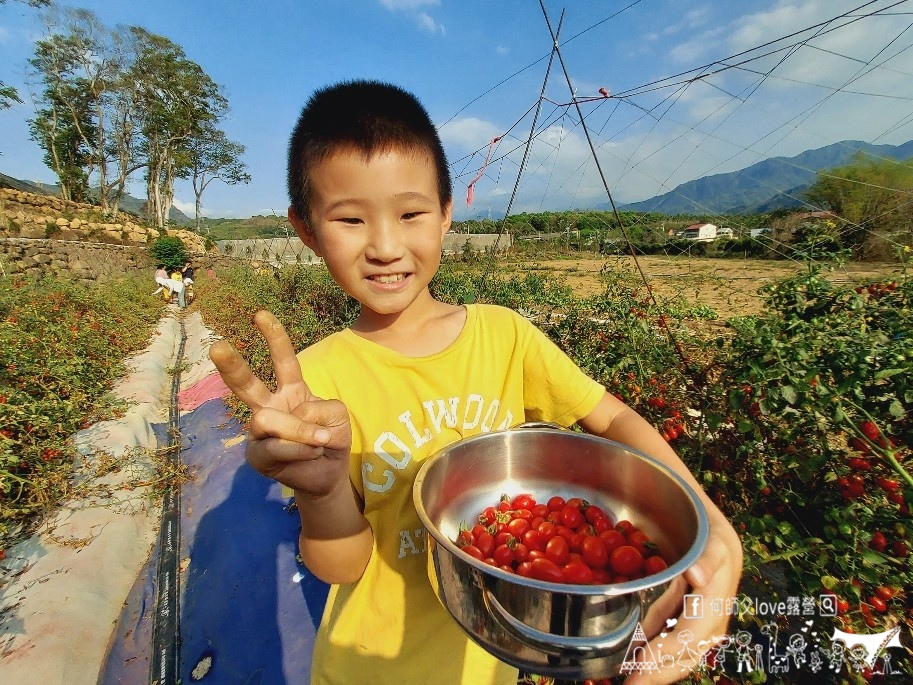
x=564, y=631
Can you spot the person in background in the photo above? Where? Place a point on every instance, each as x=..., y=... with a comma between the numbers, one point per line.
x=370, y=193
x=187, y=273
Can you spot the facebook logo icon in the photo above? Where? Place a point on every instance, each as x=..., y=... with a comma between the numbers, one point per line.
x=694, y=606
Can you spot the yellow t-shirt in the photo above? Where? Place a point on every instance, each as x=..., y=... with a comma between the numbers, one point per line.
x=389, y=627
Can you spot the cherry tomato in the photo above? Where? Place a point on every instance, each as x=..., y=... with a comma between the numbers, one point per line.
x=884, y=592
x=540, y=511
x=523, y=514
x=878, y=604
x=488, y=516
x=571, y=516
x=503, y=555
x=545, y=569
x=556, y=503
x=576, y=502
x=478, y=529
x=517, y=527
x=601, y=576
x=576, y=541
x=524, y=501
x=639, y=540
x=472, y=551
x=503, y=538
x=624, y=527
x=525, y=569
x=594, y=512
x=577, y=573
x=486, y=543
x=612, y=539
x=654, y=564
x=464, y=538
x=626, y=560
x=878, y=542
x=557, y=550
x=602, y=523
x=533, y=539
x=521, y=552
x=594, y=552
x=536, y=554
x=547, y=531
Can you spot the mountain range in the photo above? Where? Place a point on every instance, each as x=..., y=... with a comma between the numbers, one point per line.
x=775, y=183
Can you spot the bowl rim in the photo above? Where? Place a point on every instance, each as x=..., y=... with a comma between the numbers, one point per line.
x=610, y=589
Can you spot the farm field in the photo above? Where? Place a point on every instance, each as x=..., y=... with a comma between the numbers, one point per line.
x=728, y=286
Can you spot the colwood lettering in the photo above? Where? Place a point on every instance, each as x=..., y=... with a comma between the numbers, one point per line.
x=471, y=414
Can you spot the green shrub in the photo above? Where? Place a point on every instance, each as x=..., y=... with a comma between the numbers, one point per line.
x=170, y=251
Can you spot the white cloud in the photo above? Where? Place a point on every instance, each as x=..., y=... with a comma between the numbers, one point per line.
x=427, y=23
x=468, y=133
x=502, y=50
x=413, y=8
x=188, y=208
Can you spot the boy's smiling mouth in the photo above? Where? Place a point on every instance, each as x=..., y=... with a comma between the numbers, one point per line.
x=388, y=278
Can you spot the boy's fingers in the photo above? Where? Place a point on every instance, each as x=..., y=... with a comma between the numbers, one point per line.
x=273, y=423
x=288, y=370
x=238, y=376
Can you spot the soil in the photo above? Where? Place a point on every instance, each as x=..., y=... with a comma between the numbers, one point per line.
x=728, y=286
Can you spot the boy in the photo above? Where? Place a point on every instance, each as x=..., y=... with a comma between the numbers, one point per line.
x=370, y=194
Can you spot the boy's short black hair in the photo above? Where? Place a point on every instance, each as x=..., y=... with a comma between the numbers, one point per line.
x=367, y=116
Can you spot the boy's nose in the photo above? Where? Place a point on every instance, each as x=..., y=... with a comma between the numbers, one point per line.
x=385, y=241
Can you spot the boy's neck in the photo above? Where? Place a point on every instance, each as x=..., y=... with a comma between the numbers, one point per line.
x=413, y=334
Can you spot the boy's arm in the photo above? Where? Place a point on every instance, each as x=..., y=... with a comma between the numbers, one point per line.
x=717, y=572
x=303, y=442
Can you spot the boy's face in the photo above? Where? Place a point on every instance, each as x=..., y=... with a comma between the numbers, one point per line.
x=378, y=224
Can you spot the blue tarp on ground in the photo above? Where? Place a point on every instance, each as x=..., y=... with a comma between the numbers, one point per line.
x=249, y=611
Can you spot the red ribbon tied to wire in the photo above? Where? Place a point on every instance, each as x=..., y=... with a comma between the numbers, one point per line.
x=469, y=188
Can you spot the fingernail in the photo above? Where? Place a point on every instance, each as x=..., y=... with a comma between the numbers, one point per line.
x=698, y=575
x=321, y=435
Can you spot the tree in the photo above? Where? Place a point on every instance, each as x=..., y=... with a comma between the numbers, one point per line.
x=871, y=195
x=176, y=101
x=213, y=157
x=79, y=64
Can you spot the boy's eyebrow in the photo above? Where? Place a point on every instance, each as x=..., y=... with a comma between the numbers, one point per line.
x=353, y=201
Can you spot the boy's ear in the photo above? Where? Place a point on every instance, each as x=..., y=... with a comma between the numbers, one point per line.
x=303, y=230
x=447, y=218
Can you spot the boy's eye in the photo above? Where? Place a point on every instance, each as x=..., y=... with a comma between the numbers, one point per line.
x=411, y=215
x=349, y=220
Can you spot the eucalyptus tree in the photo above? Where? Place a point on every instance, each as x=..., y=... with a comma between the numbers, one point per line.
x=78, y=65
x=212, y=156
x=176, y=101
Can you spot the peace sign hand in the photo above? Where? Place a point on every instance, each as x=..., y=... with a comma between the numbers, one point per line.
x=296, y=438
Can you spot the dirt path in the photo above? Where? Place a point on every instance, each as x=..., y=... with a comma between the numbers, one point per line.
x=728, y=286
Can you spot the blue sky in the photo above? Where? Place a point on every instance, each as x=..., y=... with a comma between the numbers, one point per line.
x=696, y=87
